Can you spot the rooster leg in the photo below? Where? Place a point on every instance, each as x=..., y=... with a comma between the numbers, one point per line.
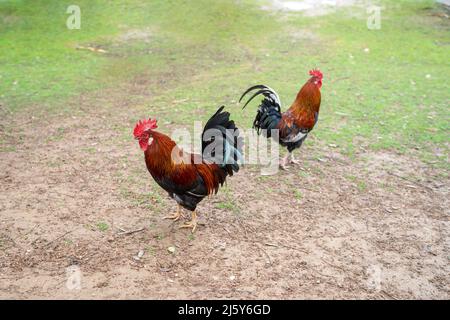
x=292, y=159
x=192, y=224
x=284, y=161
x=175, y=216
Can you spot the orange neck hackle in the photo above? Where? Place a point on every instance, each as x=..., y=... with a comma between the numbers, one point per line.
x=158, y=155
x=307, y=103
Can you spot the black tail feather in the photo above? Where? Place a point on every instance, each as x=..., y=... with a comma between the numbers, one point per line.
x=229, y=143
x=269, y=111
x=266, y=91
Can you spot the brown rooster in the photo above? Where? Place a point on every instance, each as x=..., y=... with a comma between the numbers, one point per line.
x=294, y=124
x=188, y=178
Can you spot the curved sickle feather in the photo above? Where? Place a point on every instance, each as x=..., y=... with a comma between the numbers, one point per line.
x=264, y=89
x=259, y=86
x=265, y=92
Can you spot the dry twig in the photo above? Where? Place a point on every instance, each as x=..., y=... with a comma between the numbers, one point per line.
x=129, y=232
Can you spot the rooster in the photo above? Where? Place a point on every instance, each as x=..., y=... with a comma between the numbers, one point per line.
x=188, y=178
x=294, y=124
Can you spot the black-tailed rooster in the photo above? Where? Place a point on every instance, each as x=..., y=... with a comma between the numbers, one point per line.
x=294, y=124
x=188, y=178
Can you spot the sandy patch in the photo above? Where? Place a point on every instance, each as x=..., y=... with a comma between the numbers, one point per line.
x=309, y=7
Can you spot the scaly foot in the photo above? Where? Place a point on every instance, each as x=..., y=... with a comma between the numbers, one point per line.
x=284, y=162
x=175, y=216
x=192, y=224
x=291, y=159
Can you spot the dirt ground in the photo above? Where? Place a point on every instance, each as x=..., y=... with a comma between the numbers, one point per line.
x=376, y=226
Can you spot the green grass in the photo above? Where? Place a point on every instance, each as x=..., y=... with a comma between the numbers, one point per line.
x=388, y=98
x=150, y=250
x=199, y=54
x=90, y=150
x=362, y=186
x=39, y=60
x=41, y=65
x=226, y=205
x=298, y=194
x=59, y=135
x=4, y=148
x=102, y=226
x=152, y=200
x=159, y=236
x=229, y=203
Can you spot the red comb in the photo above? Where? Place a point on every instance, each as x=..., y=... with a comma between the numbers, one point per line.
x=316, y=73
x=144, y=125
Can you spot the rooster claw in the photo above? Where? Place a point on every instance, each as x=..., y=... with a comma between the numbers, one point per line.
x=175, y=216
x=192, y=224
x=284, y=167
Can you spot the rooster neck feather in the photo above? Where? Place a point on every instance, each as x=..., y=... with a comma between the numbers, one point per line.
x=158, y=156
x=305, y=108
